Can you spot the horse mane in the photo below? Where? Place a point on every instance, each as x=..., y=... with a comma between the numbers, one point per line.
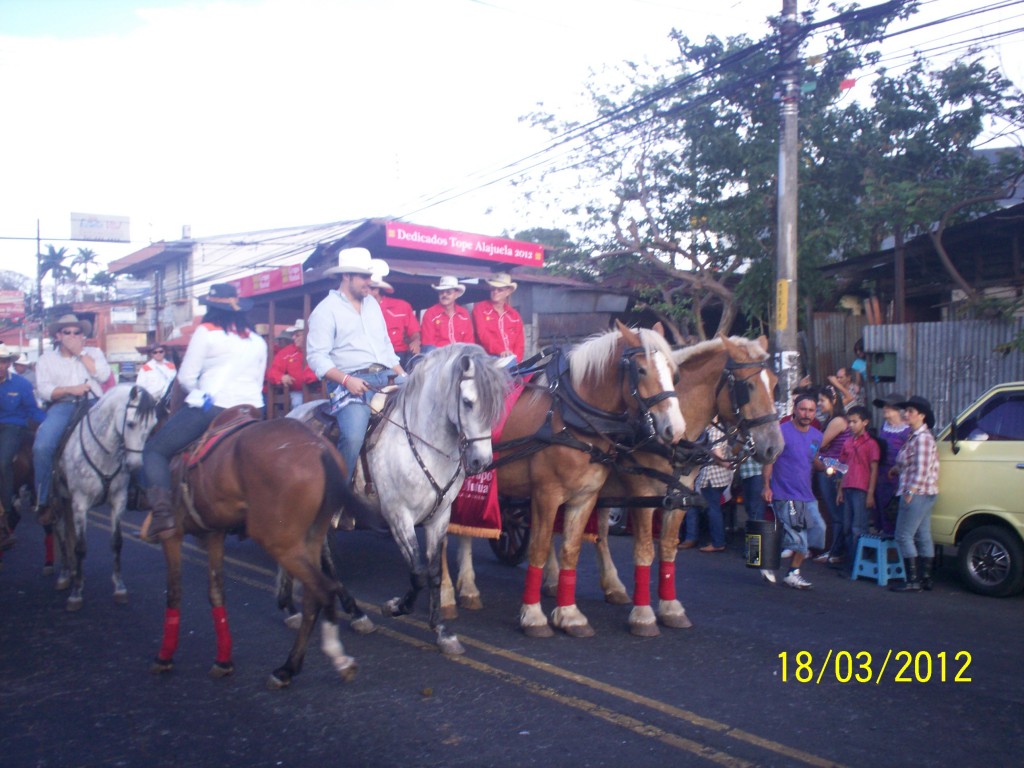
x=436, y=377
x=711, y=346
x=122, y=393
x=591, y=356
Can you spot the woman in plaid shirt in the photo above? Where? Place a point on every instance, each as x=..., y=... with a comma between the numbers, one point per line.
x=712, y=481
x=918, y=467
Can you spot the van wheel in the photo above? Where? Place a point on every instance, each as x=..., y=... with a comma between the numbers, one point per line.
x=991, y=561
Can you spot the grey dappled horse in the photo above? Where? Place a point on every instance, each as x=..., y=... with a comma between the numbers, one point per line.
x=100, y=454
x=433, y=432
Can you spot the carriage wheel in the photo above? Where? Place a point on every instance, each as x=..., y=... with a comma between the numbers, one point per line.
x=511, y=546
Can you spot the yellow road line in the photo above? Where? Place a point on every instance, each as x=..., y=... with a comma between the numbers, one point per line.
x=596, y=710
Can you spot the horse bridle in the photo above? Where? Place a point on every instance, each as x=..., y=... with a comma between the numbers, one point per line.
x=464, y=443
x=738, y=430
x=645, y=404
x=105, y=478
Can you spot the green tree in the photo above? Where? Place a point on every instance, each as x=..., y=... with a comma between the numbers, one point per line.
x=106, y=281
x=85, y=261
x=683, y=160
x=52, y=263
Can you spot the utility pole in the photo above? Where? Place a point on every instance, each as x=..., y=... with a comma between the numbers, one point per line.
x=788, y=356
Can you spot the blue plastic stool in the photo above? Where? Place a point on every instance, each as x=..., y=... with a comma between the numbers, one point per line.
x=878, y=558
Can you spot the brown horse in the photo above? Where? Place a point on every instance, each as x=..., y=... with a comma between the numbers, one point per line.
x=626, y=374
x=283, y=483
x=727, y=378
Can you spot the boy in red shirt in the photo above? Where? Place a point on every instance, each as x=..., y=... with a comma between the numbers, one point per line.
x=857, y=491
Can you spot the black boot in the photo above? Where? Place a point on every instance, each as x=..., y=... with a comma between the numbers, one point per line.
x=163, y=523
x=910, y=583
x=927, y=564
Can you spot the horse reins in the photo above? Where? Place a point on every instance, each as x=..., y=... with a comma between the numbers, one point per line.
x=106, y=479
x=738, y=432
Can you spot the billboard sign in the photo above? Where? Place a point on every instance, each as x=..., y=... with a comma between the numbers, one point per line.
x=95, y=226
x=399, y=234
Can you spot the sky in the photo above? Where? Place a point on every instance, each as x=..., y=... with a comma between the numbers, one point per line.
x=246, y=115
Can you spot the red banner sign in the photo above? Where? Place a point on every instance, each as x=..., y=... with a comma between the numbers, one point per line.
x=402, y=235
x=12, y=305
x=271, y=280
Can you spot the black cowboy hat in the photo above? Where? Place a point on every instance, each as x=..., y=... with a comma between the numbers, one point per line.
x=225, y=295
x=920, y=405
x=891, y=400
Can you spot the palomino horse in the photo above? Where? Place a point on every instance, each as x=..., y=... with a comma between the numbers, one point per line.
x=433, y=432
x=283, y=483
x=621, y=396
x=727, y=378
x=101, y=452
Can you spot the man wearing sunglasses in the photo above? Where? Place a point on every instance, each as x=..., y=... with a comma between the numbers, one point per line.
x=158, y=372
x=64, y=375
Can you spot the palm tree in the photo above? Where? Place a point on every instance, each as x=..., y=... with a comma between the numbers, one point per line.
x=53, y=262
x=104, y=280
x=86, y=259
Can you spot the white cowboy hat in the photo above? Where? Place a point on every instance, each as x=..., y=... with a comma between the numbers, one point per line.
x=502, y=280
x=352, y=261
x=6, y=353
x=23, y=360
x=68, y=320
x=376, y=281
x=449, y=282
x=300, y=325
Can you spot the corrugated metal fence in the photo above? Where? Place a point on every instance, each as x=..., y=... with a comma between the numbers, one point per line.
x=950, y=363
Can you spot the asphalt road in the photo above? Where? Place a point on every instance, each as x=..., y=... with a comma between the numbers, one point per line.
x=75, y=689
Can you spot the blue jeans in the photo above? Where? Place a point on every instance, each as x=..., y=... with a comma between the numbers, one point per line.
x=752, y=501
x=716, y=525
x=914, y=526
x=48, y=436
x=354, y=418
x=815, y=525
x=855, y=517
x=185, y=426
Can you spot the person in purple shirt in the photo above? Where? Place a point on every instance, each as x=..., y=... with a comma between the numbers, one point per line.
x=787, y=487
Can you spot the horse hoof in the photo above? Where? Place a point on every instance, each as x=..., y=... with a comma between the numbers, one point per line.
x=393, y=607
x=160, y=666
x=677, y=622
x=74, y=604
x=539, y=630
x=121, y=598
x=579, y=630
x=471, y=603
x=63, y=582
x=276, y=683
x=363, y=626
x=449, y=612
x=221, y=669
x=347, y=668
x=617, y=598
x=644, y=630
x=450, y=646
x=294, y=621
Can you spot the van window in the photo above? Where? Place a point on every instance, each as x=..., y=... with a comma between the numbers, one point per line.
x=999, y=418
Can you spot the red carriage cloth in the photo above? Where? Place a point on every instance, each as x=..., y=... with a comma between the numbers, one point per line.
x=475, y=511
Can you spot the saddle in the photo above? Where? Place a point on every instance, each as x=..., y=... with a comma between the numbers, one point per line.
x=226, y=423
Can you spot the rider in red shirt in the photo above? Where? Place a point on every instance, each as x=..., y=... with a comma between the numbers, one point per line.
x=289, y=365
x=446, y=322
x=400, y=318
x=499, y=328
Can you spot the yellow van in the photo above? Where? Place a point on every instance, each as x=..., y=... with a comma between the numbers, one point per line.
x=980, y=508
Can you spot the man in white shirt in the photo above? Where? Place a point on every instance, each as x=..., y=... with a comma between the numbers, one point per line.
x=158, y=372
x=65, y=375
x=348, y=347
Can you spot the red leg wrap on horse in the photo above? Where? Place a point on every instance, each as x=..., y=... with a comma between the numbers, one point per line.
x=172, y=623
x=48, y=548
x=566, y=587
x=666, y=581
x=534, y=578
x=220, y=625
x=642, y=585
